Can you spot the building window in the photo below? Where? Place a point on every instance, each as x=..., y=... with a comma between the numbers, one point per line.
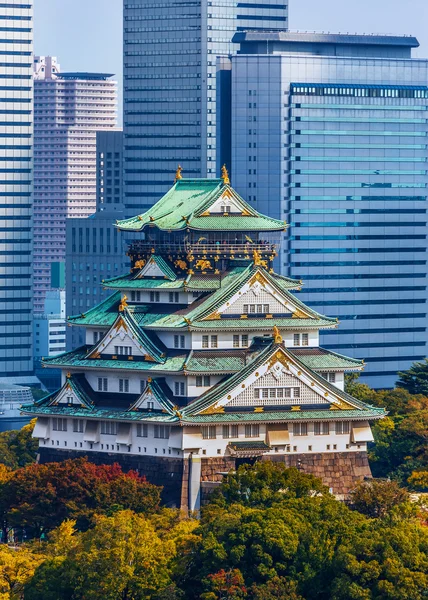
x=235, y=431
x=214, y=341
x=205, y=341
x=256, y=308
x=59, y=424
x=225, y=208
x=154, y=297
x=179, y=341
x=244, y=341
x=123, y=350
x=150, y=405
x=240, y=341
x=305, y=339
x=252, y=431
x=102, y=384
x=142, y=430
x=342, y=427
x=226, y=432
x=281, y=393
x=300, y=429
x=78, y=425
x=174, y=297
x=108, y=427
x=321, y=428
x=203, y=381
x=179, y=388
x=296, y=339
x=123, y=385
x=236, y=341
x=161, y=432
x=331, y=377
x=209, y=433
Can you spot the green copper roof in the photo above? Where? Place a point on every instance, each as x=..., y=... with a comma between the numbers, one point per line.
x=77, y=359
x=261, y=324
x=127, y=283
x=103, y=314
x=184, y=204
x=319, y=358
x=99, y=413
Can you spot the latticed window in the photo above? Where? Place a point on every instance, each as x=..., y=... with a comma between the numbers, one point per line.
x=161, y=432
x=59, y=424
x=124, y=385
x=342, y=427
x=209, y=432
x=300, y=429
x=321, y=428
x=226, y=432
x=108, y=428
x=331, y=377
x=235, y=431
x=252, y=431
x=179, y=388
x=205, y=341
x=142, y=430
x=78, y=425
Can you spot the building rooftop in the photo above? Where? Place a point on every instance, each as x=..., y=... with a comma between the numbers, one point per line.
x=85, y=75
x=326, y=38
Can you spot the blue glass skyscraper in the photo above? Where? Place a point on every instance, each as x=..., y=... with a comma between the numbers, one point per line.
x=170, y=50
x=16, y=139
x=330, y=133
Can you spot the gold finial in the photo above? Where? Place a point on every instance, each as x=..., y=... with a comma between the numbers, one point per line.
x=178, y=174
x=277, y=335
x=123, y=303
x=225, y=175
x=257, y=259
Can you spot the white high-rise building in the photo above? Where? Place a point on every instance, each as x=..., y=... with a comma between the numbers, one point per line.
x=16, y=133
x=69, y=109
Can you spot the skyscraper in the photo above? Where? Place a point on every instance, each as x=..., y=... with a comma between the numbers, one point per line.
x=69, y=109
x=329, y=132
x=16, y=140
x=170, y=50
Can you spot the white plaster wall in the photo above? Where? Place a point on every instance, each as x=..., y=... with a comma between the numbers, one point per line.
x=193, y=391
x=167, y=337
x=225, y=339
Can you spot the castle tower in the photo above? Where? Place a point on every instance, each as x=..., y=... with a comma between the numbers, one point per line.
x=203, y=358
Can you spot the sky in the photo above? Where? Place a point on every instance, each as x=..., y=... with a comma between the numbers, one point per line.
x=85, y=36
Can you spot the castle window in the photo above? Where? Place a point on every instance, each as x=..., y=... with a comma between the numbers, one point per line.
x=78, y=425
x=342, y=427
x=59, y=424
x=209, y=433
x=305, y=339
x=252, y=431
x=154, y=296
x=203, y=381
x=108, y=427
x=150, y=405
x=205, y=341
x=161, y=432
x=179, y=341
x=225, y=208
x=296, y=339
x=322, y=428
x=235, y=431
x=236, y=341
x=300, y=429
x=331, y=377
x=226, y=432
x=102, y=384
x=214, y=341
x=179, y=388
x=239, y=341
x=123, y=350
x=244, y=341
x=174, y=296
x=124, y=385
x=135, y=296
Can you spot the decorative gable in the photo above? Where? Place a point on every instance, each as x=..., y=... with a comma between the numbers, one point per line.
x=280, y=382
x=66, y=396
x=259, y=296
x=147, y=401
x=227, y=203
x=151, y=269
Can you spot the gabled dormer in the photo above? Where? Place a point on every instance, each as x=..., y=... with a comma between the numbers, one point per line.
x=75, y=393
x=156, y=396
x=155, y=267
x=126, y=341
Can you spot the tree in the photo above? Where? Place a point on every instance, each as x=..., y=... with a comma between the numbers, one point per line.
x=265, y=484
x=278, y=588
x=225, y=585
x=40, y=497
x=376, y=498
x=18, y=448
x=17, y=566
x=415, y=379
x=120, y=558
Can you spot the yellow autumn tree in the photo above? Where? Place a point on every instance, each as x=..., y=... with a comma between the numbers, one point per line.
x=17, y=567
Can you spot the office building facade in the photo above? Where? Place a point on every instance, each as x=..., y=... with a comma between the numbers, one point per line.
x=94, y=248
x=330, y=133
x=16, y=195
x=170, y=51
x=69, y=109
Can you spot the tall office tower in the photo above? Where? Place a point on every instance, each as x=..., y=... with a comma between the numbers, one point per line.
x=330, y=133
x=94, y=248
x=16, y=140
x=69, y=109
x=170, y=50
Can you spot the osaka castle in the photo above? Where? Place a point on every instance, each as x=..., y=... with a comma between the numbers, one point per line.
x=203, y=358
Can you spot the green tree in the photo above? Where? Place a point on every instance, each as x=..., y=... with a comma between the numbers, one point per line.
x=18, y=448
x=415, y=379
x=120, y=558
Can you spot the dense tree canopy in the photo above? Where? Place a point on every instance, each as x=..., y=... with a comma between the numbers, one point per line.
x=18, y=448
x=415, y=379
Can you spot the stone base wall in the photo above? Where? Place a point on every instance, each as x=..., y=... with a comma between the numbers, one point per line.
x=340, y=471
x=163, y=471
